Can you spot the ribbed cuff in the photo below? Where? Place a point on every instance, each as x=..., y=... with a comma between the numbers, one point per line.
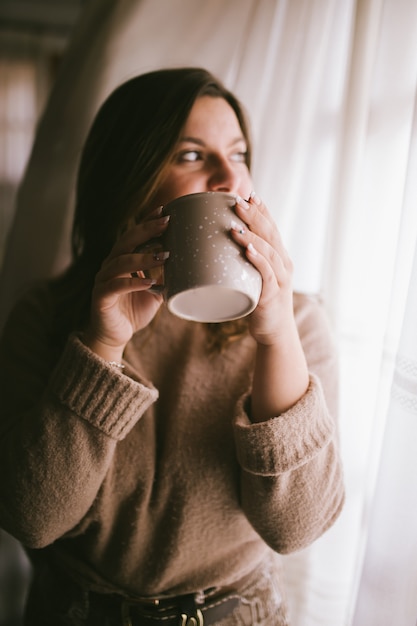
x=287, y=441
x=98, y=392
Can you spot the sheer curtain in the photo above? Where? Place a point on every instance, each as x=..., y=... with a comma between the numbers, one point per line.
x=330, y=86
x=388, y=584
x=387, y=588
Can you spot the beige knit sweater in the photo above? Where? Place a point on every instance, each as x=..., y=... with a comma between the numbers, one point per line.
x=153, y=480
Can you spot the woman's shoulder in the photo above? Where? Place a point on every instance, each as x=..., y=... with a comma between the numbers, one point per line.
x=309, y=305
x=312, y=318
x=27, y=347
x=37, y=299
x=303, y=300
x=33, y=312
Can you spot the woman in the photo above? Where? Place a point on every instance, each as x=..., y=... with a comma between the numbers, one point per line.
x=154, y=467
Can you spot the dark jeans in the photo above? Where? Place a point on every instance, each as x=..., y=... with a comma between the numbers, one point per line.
x=54, y=600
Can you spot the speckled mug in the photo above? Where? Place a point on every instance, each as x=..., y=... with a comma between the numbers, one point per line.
x=207, y=277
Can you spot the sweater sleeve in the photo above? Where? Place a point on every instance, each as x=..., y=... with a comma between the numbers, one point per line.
x=60, y=423
x=291, y=475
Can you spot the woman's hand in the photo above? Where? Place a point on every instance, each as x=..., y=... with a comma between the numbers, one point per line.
x=121, y=303
x=265, y=250
x=281, y=375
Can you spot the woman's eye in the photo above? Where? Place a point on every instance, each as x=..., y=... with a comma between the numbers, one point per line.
x=239, y=157
x=189, y=155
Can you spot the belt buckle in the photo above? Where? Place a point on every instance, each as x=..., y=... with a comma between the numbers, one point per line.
x=197, y=620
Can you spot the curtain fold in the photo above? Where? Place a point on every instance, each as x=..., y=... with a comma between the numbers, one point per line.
x=387, y=592
x=387, y=586
x=330, y=87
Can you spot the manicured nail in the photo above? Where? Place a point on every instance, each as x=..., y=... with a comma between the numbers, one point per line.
x=251, y=249
x=149, y=281
x=154, y=214
x=237, y=227
x=161, y=256
x=256, y=199
x=241, y=202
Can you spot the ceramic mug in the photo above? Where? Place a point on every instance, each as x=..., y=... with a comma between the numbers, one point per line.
x=207, y=277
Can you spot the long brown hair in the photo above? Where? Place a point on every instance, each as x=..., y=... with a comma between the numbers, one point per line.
x=130, y=144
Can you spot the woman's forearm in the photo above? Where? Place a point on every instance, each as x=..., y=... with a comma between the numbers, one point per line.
x=280, y=377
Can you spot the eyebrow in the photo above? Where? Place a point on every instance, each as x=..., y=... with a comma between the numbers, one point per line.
x=199, y=142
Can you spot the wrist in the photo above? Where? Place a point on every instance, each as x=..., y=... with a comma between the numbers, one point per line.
x=112, y=354
x=280, y=378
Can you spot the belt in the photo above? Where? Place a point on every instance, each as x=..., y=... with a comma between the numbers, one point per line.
x=187, y=610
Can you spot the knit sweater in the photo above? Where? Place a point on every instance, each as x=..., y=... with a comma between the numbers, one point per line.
x=153, y=480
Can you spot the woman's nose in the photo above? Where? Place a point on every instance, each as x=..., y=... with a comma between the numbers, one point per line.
x=223, y=177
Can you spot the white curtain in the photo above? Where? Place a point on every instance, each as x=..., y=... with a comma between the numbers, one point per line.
x=330, y=86
x=387, y=591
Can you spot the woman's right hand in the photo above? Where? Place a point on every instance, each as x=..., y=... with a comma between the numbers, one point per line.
x=121, y=303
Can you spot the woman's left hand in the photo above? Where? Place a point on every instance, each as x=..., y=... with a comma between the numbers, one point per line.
x=265, y=250
x=280, y=376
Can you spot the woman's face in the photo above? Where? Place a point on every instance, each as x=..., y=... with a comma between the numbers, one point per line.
x=210, y=156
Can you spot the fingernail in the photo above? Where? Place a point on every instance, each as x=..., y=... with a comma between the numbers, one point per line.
x=237, y=227
x=241, y=202
x=256, y=199
x=161, y=256
x=154, y=214
x=251, y=249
